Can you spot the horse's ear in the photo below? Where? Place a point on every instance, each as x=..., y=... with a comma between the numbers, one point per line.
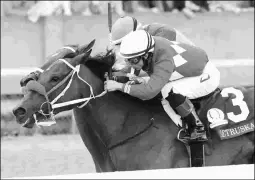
x=87, y=47
x=86, y=55
x=82, y=57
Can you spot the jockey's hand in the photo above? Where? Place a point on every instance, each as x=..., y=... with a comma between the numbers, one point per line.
x=121, y=79
x=111, y=85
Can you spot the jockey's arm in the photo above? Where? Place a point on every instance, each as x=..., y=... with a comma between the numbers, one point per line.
x=162, y=72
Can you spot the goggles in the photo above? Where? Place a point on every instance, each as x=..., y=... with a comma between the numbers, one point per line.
x=134, y=60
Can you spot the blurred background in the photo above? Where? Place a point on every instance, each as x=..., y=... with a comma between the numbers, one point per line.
x=32, y=30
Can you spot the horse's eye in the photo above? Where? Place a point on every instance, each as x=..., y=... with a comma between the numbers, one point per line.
x=55, y=79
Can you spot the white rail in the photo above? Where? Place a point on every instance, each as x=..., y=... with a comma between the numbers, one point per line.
x=219, y=62
x=216, y=172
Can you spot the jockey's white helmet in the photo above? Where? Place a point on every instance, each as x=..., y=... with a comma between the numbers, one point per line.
x=122, y=27
x=136, y=43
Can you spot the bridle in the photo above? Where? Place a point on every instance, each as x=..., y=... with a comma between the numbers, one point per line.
x=36, y=86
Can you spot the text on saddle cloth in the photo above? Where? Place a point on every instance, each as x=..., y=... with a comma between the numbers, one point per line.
x=229, y=114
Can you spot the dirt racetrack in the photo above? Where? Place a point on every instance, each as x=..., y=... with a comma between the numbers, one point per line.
x=44, y=155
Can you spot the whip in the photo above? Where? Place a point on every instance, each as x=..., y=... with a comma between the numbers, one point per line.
x=110, y=23
x=110, y=32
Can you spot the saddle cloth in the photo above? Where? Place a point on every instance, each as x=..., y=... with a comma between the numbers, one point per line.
x=230, y=115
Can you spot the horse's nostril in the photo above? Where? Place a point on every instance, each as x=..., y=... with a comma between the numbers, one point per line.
x=19, y=112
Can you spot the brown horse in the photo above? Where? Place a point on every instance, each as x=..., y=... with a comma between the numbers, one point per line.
x=121, y=132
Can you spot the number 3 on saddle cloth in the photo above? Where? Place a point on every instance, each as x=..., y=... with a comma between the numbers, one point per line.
x=229, y=115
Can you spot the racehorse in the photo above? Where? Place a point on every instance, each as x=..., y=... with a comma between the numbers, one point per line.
x=121, y=132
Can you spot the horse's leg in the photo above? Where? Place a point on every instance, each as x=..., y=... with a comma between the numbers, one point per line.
x=96, y=155
x=97, y=150
x=82, y=128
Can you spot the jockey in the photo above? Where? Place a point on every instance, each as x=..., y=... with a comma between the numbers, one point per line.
x=177, y=71
x=127, y=24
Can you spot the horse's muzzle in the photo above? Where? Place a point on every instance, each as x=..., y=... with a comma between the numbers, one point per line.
x=20, y=113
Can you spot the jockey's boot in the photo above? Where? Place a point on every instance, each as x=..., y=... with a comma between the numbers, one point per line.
x=185, y=108
x=196, y=130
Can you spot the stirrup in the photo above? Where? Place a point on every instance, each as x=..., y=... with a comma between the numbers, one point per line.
x=183, y=138
x=190, y=138
x=199, y=123
x=198, y=136
x=178, y=136
x=200, y=129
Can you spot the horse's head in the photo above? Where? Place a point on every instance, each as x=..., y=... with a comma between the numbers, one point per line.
x=66, y=51
x=56, y=77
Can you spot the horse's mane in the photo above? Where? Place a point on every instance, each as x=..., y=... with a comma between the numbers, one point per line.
x=101, y=63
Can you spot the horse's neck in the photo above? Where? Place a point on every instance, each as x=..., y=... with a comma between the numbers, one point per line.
x=96, y=83
x=105, y=115
x=96, y=111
